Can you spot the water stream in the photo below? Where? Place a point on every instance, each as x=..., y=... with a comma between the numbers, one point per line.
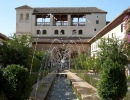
x=61, y=89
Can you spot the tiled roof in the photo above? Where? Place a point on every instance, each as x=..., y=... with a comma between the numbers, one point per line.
x=127, y=10
x=24, y=7
x=63, y=9
x=118, y=20
x=3, y=37
x=68, y=10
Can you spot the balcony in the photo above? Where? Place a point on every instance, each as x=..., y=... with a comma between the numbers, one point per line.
x=60, y=24
x=78, y=24
x=42, y=24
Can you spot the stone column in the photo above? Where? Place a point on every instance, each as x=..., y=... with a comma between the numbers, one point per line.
x=69, y=20
x=51, y=20
x=35, y=21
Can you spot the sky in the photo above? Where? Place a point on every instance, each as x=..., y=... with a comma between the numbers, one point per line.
x=8, y=12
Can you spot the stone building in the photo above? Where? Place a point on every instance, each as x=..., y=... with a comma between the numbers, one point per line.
x=56, y=26
x=115, y=28
x=60, y=29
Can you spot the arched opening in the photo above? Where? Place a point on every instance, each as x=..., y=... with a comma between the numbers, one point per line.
x=74, y=54
x=44, y=32
x=27, y=16
x=80, y=32
x=62, y=32
x=21, y=16
x=74, y=32
x=38, y=32
x=56, y=32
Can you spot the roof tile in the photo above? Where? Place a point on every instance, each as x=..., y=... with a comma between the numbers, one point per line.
x=24, y=7
x=68, y=10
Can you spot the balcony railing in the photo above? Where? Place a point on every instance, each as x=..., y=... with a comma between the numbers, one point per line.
x=60, y=24
x=42, y=23
x=78, y=24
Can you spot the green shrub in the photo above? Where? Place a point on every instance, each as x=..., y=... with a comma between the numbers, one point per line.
x=17, y=82
x=112, y=84
x=1, y=82
x=127, y=96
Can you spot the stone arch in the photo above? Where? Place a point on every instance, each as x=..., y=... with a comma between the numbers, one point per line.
x=74, y=54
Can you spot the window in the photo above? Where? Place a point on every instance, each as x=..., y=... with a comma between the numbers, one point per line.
x=97, y=21
x=74, y=32
x=121, y=27
x=27, y=16
x=95, y=29
x=80, y=32
x=62, y=32
x=21, y=16
x=56, y=32
x=44, y=32
x=38, y=32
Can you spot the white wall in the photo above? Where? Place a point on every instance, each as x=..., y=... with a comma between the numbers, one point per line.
x=23, y=26
x=116, y=32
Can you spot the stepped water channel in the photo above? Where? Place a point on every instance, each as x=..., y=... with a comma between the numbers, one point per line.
x=61, y=89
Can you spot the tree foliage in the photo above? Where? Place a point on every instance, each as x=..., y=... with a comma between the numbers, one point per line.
x=1, y=82
x=112, y=83
x=83, y=61
x=17, y=82
x=16, y=50
x=112, y=48
x=80, y=61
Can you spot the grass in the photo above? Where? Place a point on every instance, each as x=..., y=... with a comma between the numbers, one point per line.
x=90, y=79
x=40, y=88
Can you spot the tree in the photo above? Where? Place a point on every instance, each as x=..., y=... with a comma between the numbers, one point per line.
x=112, y=48
x=1, y=82
x=16, y=50
x=17, y=82
x=79, y=62
x=112, y=84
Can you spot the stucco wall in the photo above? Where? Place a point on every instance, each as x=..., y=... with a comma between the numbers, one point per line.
x=115, y=32
x=28, y=26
